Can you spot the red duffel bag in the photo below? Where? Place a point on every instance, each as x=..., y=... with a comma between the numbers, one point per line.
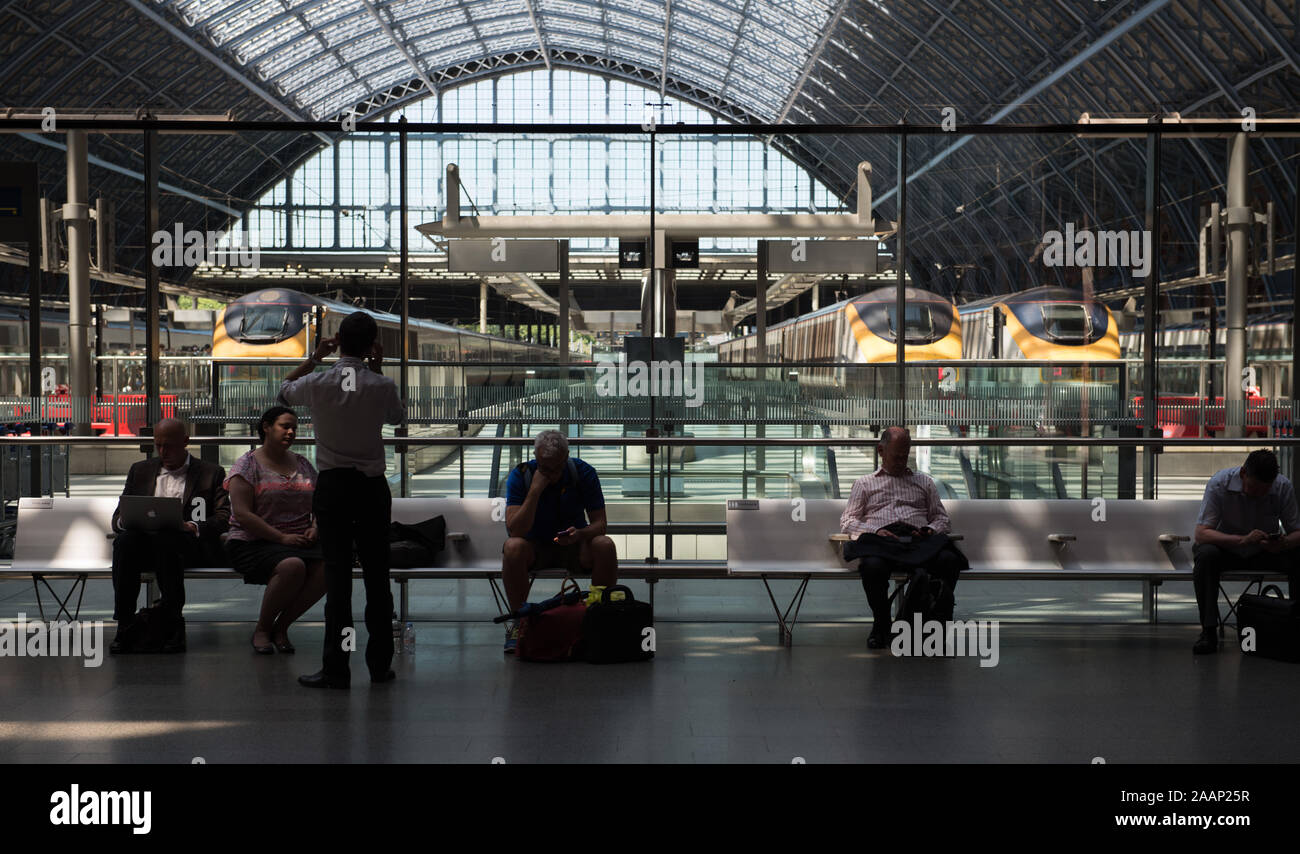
x=554, y=633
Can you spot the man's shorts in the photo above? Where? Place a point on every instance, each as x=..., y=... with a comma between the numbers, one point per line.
x=550, y=555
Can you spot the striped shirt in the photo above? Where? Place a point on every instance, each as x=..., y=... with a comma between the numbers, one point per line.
x=879, y=500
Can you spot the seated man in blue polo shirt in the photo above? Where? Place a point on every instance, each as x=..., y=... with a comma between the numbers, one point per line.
x=555, y=515
x=1248, y=521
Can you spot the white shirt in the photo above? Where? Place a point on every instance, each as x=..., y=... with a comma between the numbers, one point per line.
x=171, y=482
x=350, y=404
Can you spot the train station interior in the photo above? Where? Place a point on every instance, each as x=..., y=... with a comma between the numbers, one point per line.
x=721, y=246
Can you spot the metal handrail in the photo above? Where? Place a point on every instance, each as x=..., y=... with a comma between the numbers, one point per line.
x=708, y=441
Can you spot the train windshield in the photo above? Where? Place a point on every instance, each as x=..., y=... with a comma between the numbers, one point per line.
x=919, y=324
x=1067, y=323
x=264, y=322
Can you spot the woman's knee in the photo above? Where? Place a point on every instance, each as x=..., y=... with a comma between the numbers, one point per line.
x=291, y=569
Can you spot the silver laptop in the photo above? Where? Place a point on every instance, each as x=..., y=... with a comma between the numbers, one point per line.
x=149, y=513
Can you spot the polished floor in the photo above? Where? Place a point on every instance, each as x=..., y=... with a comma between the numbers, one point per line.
x=716, y=692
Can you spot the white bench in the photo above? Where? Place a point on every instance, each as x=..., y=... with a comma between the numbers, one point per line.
x=67, y=539
x=1067, y=539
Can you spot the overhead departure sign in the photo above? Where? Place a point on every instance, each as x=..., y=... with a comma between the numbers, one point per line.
x=500, y=255
x=823, y=256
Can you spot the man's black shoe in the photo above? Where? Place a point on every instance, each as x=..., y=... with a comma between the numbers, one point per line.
x=322, y=680
x=1207, y=643
x=118, y=647
x=387, y=676
x=878, y=639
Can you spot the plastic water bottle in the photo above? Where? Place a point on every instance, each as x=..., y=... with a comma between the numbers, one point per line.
x=397, y=634
x=408, y=640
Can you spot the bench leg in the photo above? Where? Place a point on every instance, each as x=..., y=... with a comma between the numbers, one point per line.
x=652, y=582
x=78, y=587
x=1257, y=583
x=785, y=623
x=499, y=597
x=1148, y=601
x=404, y=600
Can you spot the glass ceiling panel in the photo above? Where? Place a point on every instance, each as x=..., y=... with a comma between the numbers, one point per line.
x=420, y=25
x=749, y=52
x=588, y=12
x=352, y=14
x=366, y=46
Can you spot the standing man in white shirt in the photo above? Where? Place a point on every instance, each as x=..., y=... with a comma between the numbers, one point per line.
x=349, y=404
x=900, y=525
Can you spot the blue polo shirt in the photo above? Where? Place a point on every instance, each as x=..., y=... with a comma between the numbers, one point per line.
x=562, y=504
x=1227, y=508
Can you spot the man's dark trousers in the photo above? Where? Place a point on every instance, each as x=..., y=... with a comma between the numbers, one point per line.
x=353, y=508
x=166, y=554
x=1210, y=562
x=875, y=572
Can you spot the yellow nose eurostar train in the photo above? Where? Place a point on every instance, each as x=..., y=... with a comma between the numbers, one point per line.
x=1048, y=323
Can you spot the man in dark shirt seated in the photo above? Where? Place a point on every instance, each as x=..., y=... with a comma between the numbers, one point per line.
x=555, y=516
x=1248, y=521
x=173, y=473
x=900, y=525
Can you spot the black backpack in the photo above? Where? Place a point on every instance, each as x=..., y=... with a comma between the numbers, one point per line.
x=928, y=596
x=616, y=631
x=154, y=630
x=416, y=545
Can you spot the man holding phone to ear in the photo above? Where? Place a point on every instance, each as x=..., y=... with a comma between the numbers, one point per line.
x=1248, y=521
x=555, y=516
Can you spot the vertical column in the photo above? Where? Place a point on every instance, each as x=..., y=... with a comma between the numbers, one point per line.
x=34, y=229
x=405, y=354
x=900, y=299
x=1150, y=319
x=153, y=402
x=668, y=294
x=482, y=305
x=1240, y=218
x=76, y=213
x=564, y=302
x=760, y=307
x=1295, y=351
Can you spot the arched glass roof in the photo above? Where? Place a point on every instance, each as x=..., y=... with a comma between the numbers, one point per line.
x=354, y=205
x=327, y=56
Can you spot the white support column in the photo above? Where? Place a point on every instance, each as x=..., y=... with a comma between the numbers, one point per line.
x=76, y=213
x=1239, y=219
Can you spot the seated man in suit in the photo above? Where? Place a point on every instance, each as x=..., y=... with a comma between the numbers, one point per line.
x=173, y=473
x=900, y=524
x=1248, y=521
x=555, y=516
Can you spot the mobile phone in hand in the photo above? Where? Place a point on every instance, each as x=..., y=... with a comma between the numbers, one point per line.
x=1276, y=535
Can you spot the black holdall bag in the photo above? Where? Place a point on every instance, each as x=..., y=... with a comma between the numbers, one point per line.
x=411, y=546
x=616, y=631
x=154, y=630
x=1276, y=624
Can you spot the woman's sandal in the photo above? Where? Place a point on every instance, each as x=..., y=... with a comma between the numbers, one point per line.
x=269, y=649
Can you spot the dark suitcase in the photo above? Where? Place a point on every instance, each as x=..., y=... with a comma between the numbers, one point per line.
x=1269, y=626
x=554, y=632
x=615, y=631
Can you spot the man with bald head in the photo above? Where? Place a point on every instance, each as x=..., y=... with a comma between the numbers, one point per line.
x=205, y=506
x=900, y=526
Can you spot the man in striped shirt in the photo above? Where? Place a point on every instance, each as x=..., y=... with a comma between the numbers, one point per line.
x=899, y=524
